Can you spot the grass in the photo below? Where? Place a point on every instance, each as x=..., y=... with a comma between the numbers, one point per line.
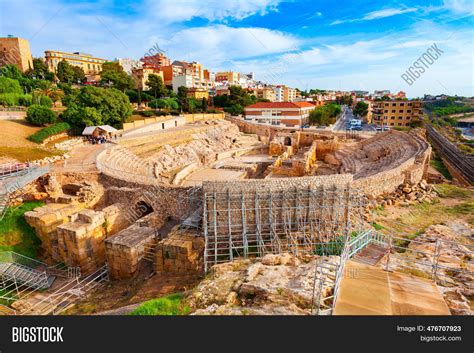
x=25, y=154
x=453, y=191
x=377, y=226
x=169, y=305
x=15, y=234
x=438, y=164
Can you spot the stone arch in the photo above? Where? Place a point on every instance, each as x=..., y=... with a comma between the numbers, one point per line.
x=287, y=141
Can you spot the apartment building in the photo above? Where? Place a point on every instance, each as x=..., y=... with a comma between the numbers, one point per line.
x=141, y=75
x=284, y=94
x=198, y=93
x=190, y=75
x=16, y=51
x=158, y=60
x=92, y=66
x=228, y=77
x=265, y=93
x=293, y=114
x=396, y=113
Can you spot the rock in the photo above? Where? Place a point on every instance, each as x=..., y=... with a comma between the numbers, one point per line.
x=406, y=190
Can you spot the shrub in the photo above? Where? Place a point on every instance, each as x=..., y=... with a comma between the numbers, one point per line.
x=45, y=101
x=9, y=85
x=14, y=99
x=147, y=113
x=40, y=115
x=43, y=134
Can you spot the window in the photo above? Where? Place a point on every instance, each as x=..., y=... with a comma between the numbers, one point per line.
x=402, y=104
x=408, y=111
x=393, y=118
x=392, y=124
x=163, y=126
x=400, y=124
x=400, y=111
x=393, y=111
x=385, y=111
x=394, y=104
x=409, y=104
x=386, y=104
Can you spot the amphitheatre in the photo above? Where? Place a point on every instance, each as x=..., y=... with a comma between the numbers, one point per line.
x=195, y=197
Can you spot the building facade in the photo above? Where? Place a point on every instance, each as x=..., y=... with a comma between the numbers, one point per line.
x=16, y=51
x=141, y=75
x=265, y=93
x=293, y=114
x=396, y=113
x=92, y=66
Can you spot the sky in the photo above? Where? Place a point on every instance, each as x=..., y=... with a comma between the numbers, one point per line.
x=342, y=45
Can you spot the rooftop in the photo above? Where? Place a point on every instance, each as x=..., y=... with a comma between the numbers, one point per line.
x=277, y=105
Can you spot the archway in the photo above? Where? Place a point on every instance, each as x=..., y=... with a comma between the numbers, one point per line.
x=287, y=141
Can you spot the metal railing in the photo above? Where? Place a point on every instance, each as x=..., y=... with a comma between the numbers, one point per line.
x=430, y=260
x=65, y=296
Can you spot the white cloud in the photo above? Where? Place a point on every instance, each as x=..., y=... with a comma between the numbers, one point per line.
x=183, y=10
x=459, y=6
x=215, y=45
x=376, y=15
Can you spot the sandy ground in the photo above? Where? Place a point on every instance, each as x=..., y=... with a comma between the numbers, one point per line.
x=13, y=133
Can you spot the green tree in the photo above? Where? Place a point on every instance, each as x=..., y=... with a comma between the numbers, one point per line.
x=113, y=74
x=96, y=105
x=204, y=105
x=39, y=70
x=79, y=75
x=361, y=109
x=9, y=85
x=325, y=115
x=155, y=83
x=65, y=72
x=11, y=71
x=183, y=98
x=40, y=115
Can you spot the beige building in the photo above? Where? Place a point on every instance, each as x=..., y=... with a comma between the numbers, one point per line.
x=265, y=93
x=396, y=113
x=14, y=50
x=141, y=75
x=92, y=66
x=229, y=77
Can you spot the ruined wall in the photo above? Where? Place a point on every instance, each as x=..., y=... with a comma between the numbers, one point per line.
x=81, y=241
x=126, y=249
x=180, y=252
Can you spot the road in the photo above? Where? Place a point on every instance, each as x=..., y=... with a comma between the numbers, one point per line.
x=344, y=119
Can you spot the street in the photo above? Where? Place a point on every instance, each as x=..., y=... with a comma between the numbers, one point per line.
x=344, y=119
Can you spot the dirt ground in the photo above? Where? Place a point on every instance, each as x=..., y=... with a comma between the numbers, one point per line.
x=14, y=145
x=122, y=293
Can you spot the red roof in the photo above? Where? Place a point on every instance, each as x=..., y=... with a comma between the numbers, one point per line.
x=277, y=105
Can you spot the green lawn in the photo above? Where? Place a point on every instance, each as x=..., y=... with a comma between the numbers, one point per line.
x=169, y=305
x=15, y=234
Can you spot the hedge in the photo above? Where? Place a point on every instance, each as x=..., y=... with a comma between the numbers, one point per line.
x=43, y=134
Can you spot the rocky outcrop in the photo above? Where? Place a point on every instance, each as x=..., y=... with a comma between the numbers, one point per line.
x=274, y=285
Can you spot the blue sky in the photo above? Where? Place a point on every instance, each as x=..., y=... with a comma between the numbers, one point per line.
x=362, y=45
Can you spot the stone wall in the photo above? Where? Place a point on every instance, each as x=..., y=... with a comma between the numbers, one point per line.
x=180, y=252
x=126, y=249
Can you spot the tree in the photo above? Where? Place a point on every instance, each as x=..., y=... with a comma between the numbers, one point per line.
x=11, y=71
x=114, y=75
x=65, y=72
x=40, y=115
x=79, y=75
x=204, y=105
x=39, y=71
x=9, y=85
x=325, y=115
x=155, y=83
x=97, y=106
x=183, y=98
x=361, y=109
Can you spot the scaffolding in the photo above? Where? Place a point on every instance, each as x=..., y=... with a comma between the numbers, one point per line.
x=254, y=222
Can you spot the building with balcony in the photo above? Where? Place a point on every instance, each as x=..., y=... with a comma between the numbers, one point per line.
x=16, y=51
x=92, y=66
x=396, y=112
x=265, y=93
x=294, y=114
